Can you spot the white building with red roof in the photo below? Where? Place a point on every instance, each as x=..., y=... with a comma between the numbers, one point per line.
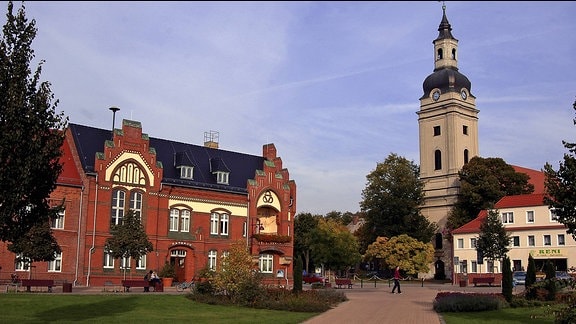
x=533, y=230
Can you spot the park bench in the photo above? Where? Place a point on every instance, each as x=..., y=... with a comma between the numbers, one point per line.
x=129, y=283
x=28, y=283
x=343, y=282
x=483, y=280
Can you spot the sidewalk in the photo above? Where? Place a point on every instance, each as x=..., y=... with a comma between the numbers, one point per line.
x=378, y=305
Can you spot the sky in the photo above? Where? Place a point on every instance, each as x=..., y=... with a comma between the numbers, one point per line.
x=334, y=85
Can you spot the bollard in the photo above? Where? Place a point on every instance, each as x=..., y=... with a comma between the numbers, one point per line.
x=422, y=282
x=361, y=283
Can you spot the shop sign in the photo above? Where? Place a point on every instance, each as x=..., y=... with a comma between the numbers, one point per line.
x=546, y=252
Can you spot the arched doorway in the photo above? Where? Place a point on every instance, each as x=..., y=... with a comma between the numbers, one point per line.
x=439, y=271
x=182, y=259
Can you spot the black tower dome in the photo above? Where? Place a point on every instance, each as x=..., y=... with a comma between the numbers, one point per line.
x=446, y=76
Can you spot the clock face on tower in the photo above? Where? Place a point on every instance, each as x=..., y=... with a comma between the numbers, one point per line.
x=464, y=94
x=436, y=95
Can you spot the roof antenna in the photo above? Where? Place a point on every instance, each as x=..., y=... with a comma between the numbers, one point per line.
x=114, y=110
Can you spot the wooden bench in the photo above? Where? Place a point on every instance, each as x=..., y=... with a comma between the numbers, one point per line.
x=483, y=280
x=136, y=283
x=343, y=282
x=28, y=283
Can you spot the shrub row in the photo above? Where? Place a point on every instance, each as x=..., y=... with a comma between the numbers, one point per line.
x=468, y=302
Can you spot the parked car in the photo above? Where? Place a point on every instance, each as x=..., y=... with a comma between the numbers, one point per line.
x=312, y=278
x=563, y=275
x=519, y=277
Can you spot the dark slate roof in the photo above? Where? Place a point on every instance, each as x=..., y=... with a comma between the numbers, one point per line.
x=241, y=166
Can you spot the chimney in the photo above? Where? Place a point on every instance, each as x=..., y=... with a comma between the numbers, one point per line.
x=211, y=139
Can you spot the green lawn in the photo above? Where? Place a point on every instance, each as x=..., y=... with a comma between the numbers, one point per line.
x=540, y=315
x=145, y=308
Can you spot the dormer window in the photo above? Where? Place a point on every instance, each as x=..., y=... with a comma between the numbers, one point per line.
x=186, y=172
x=219, y=168
x=221, y=177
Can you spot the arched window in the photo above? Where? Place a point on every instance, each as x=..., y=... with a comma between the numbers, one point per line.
x=465, y=156
x=438, y=241
x=136, y=203
x=453, y=53
x=439, y=54
x=118, y=197
x=437, y=160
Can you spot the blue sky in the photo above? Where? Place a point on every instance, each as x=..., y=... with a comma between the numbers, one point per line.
x=334, y=85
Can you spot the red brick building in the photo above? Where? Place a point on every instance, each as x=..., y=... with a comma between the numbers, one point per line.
x=193, y=200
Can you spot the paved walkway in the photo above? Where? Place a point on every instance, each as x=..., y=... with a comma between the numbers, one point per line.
x=378, y=305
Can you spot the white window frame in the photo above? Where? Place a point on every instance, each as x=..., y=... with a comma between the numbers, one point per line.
x=561, y=239
x=186, y=172
x=141, y=263
x=212, y=259
x=460, y=243
x=508, y=218
x=125, y=263
x=185, y=220
x=118, y=200
x=222, y=177
x=174, y=216
x=58, y=222
x=474, y=266
x=530, y=216
x=553, y=217
x=23, y=264
x=136, y=203
x=473, y=242
x=219, y=224
x=56, y=264
x=214, y=219
x=266, y=263
x=547, y=240
x=108, y=260
x=224, y=224
x=464, y=266
x=531, y=240
x=515, y=241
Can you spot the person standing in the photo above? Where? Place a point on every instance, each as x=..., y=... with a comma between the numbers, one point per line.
x=397, y=278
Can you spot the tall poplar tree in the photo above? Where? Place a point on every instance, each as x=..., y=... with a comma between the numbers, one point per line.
x=493, y=240
x=31, y=137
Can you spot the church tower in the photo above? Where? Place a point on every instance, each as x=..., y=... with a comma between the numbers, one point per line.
x=448, y=132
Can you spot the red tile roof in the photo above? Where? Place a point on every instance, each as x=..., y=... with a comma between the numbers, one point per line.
x=534, y=199
x=70, y=174
x=536, y=178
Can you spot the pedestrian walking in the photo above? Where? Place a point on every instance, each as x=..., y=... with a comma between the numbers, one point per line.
x=397, y=278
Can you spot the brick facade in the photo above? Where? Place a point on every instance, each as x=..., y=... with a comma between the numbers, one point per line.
x=134, y=171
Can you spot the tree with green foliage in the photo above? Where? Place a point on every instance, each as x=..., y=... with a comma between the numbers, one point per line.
x=484, y=181
x=530, y=278
x=391, y=202
x=550, y=271
x=561, y=185
x=304, y=227
x=129, y=239
x=334, y=246
x=31, y=137
x=235, y=276
x=493, y=240
x=507, y=283
x=410, y=254
x=297, y=275
x=342, y=218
